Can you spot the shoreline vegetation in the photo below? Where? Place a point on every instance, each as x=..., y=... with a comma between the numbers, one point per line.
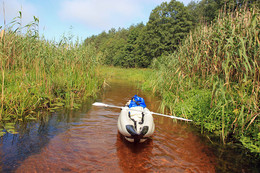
x=210, y=75
x=214, y=79
x=40, y=75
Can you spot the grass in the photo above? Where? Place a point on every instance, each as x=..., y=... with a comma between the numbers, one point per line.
x=38, y=74
x=137, y=75
x=214, y=78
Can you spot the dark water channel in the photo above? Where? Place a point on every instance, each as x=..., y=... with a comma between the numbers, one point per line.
x=88, y=141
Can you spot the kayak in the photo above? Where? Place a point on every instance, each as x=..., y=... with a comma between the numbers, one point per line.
x=136, y=123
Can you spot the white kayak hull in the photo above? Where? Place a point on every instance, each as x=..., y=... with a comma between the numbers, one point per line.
x=135, y=124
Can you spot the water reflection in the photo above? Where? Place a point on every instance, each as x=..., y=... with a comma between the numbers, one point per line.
x=134, y=157
x=31, y=138
x=88, y=141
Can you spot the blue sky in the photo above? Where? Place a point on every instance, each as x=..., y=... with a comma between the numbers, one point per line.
x=80, y=18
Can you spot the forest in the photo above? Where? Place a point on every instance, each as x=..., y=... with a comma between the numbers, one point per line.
x=169, y=23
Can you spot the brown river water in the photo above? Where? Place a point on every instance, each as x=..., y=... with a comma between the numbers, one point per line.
x=87, y=140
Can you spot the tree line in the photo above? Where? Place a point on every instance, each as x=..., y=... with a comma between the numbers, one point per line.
x=168, y=25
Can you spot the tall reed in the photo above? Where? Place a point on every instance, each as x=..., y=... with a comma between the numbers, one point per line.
x=36, y=73
x=214, y=77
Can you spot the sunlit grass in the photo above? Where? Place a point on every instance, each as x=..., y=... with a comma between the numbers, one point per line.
x=214, y=77
x=130, y=74
x=38, y=74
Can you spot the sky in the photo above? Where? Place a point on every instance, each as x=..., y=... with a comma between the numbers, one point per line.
x=78, y=18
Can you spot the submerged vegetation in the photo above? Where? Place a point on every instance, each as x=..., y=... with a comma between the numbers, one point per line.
x=38, y=74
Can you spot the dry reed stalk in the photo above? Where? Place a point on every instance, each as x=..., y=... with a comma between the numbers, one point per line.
x=2, y=34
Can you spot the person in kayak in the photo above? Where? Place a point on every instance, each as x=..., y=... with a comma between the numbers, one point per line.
x=136, y=101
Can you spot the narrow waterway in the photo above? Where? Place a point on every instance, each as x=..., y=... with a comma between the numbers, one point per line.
x=88, y=141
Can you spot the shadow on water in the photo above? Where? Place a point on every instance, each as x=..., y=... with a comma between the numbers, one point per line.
x=231, y=157
x=33, y=136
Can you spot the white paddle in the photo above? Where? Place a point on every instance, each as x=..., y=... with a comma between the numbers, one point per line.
x=112, y=106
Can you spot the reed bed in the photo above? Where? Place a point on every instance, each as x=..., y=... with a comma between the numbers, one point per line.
x=38, y=74
x=214, y=78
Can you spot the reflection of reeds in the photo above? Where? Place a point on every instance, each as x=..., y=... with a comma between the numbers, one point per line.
x=36, y=73
x=221, y=59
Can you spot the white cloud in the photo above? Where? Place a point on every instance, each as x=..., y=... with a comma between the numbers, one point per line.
x=101, y=13
x=105, y=14
x=12, y=8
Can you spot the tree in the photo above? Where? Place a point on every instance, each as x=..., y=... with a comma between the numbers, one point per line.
x=130, y=56
x=205, y=10
x=168, y=24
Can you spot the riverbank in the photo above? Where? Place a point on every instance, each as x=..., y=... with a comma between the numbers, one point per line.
x=214, y=78
x=42, y=75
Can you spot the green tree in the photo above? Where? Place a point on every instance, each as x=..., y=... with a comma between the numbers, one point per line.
x=168, y=24
x=205, y=10
x=208, y=10
x=113, y=46
x=130, y=57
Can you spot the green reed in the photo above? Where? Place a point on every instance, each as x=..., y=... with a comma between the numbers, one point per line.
x=214, y=77
x=38, y=74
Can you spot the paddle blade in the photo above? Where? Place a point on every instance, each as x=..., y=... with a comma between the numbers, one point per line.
x=106, y=105
x=99, y=104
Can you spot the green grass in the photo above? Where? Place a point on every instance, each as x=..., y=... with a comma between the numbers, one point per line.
x=138, y=75
x=38, y=74
x=214, y=78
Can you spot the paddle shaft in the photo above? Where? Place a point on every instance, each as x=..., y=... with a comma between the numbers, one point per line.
x=113, y=106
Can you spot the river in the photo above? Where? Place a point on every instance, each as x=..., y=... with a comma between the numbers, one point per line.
x=87, y=140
